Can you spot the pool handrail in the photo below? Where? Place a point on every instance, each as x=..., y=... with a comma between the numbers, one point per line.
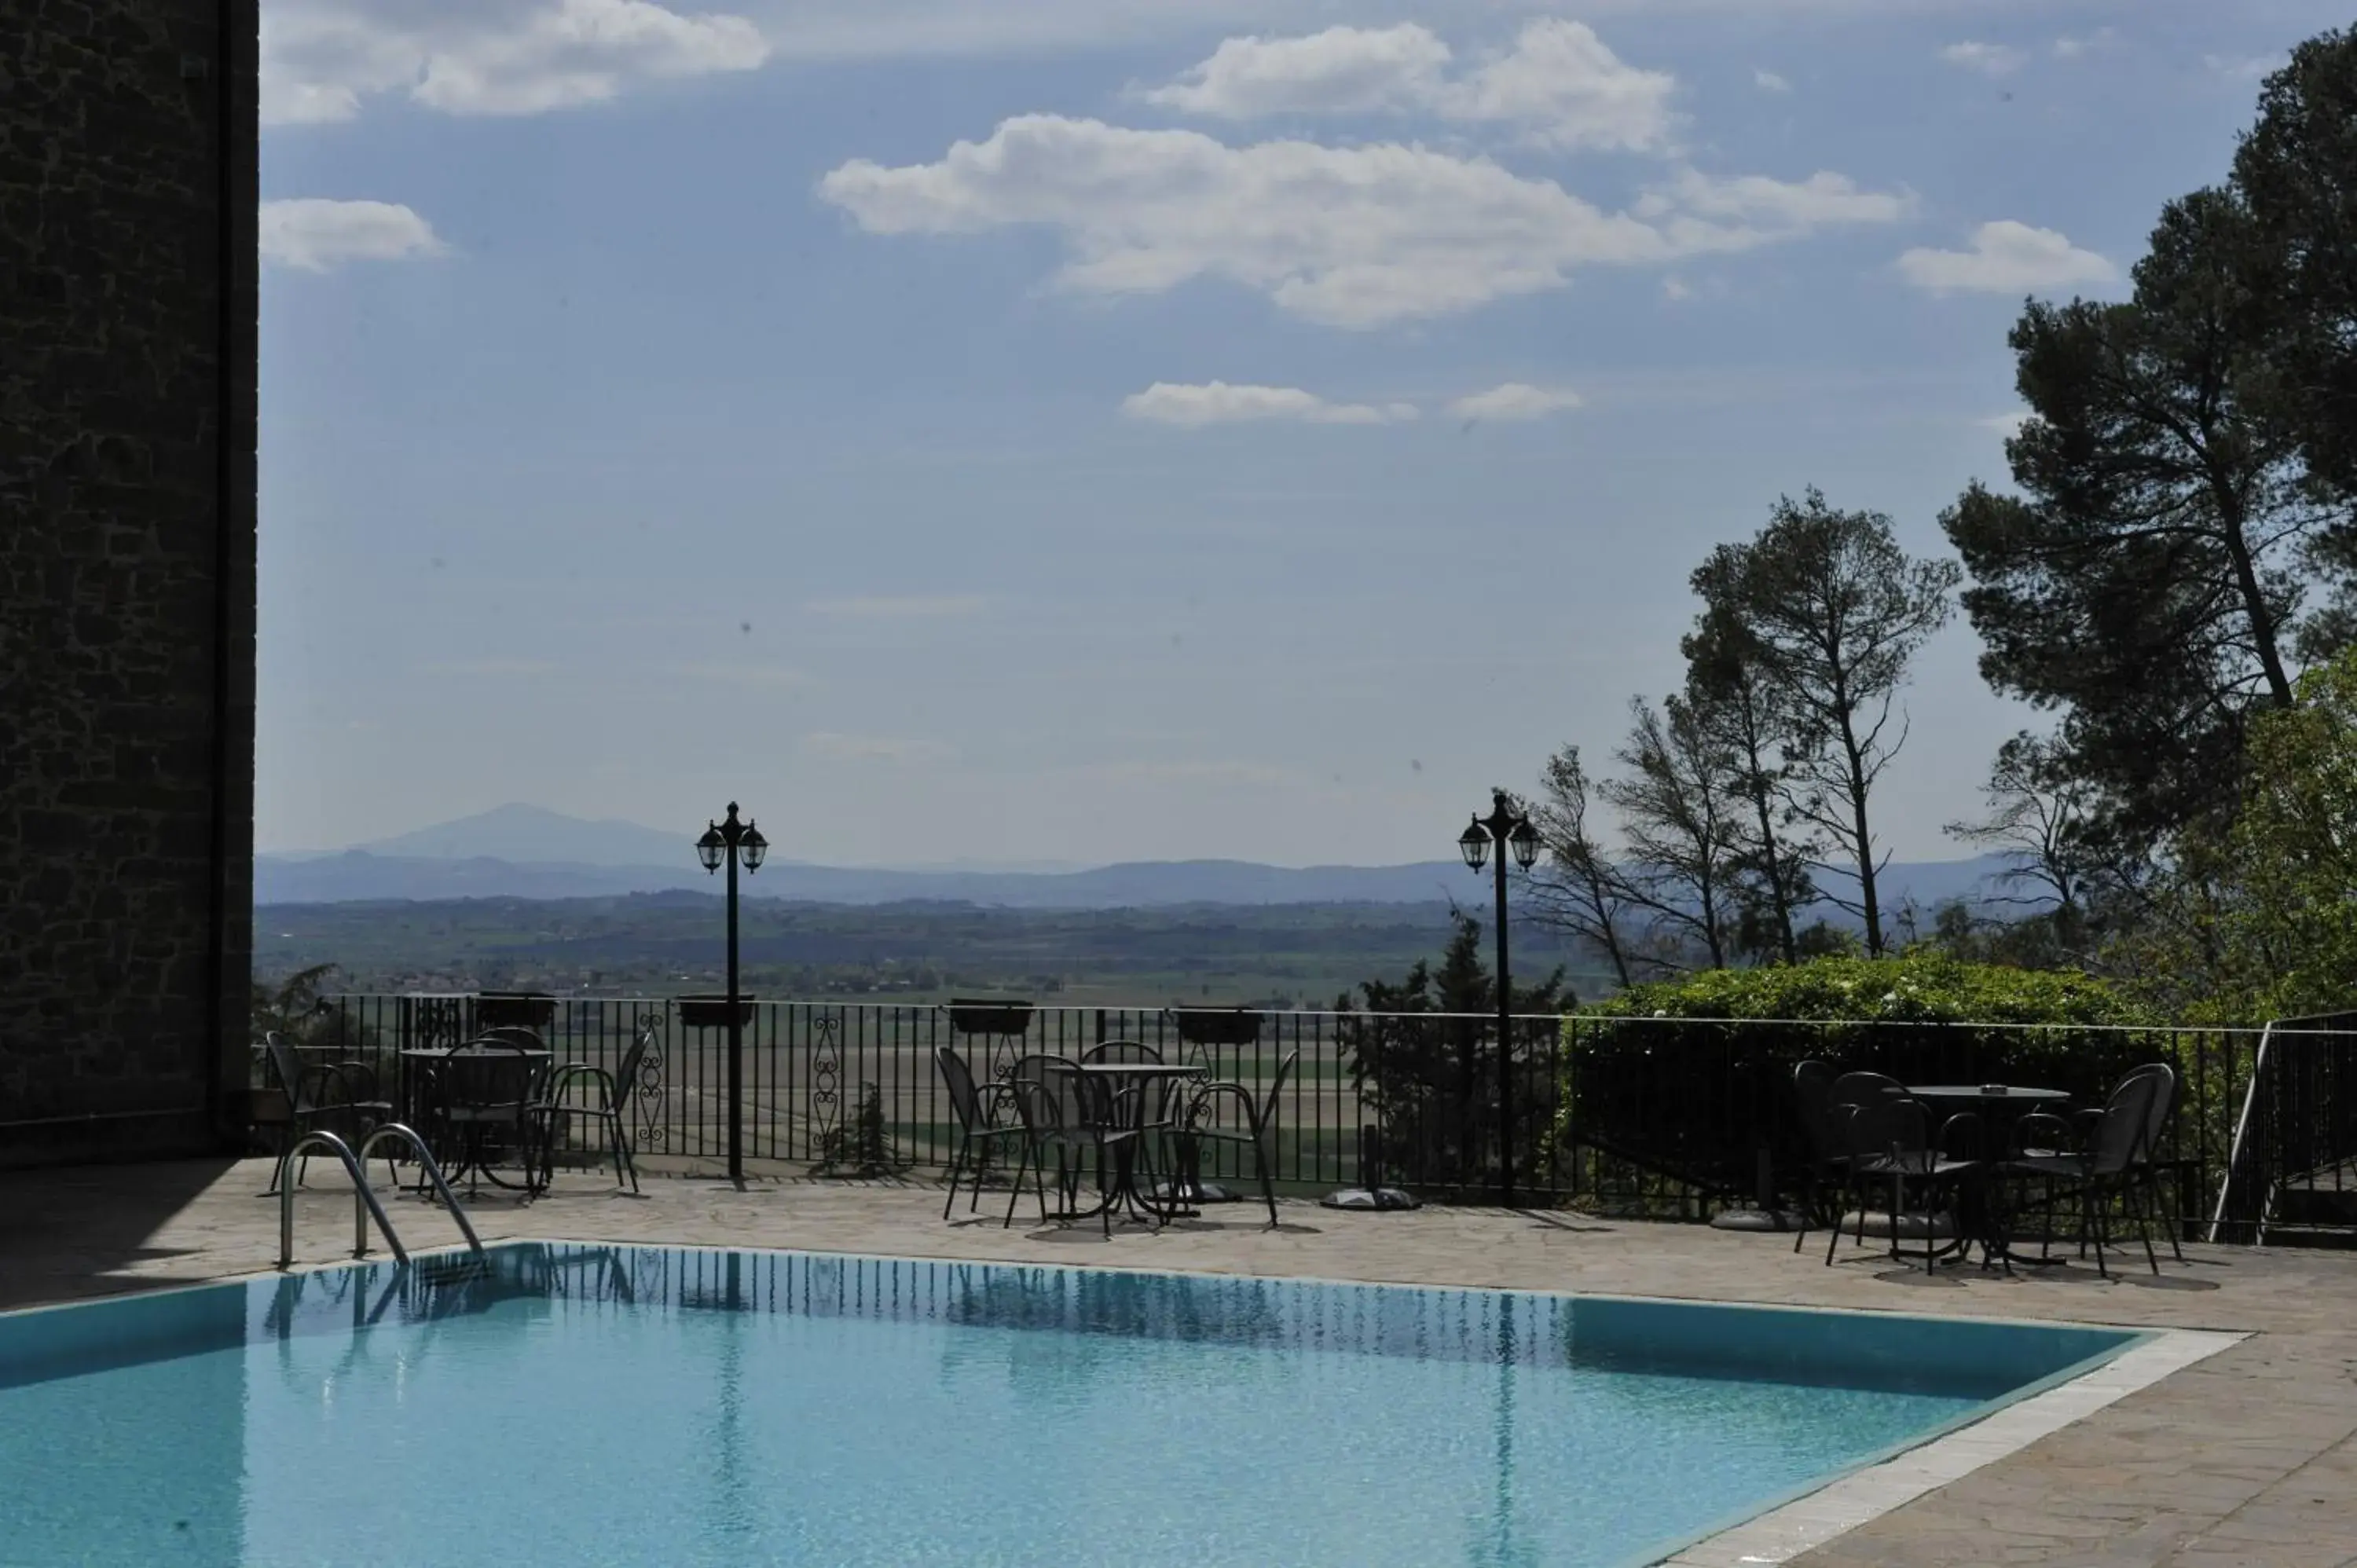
x=402, y=1133
x=364, y=1201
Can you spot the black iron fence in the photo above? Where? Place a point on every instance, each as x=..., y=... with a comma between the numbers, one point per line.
x=1677, y=1115
x=1670, y=1116
x=2292, y=1167
x=853, y=1087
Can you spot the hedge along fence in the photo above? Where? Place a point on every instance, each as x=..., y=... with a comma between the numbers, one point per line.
x=1690, y=1081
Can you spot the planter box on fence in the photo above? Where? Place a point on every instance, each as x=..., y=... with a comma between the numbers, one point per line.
x=712, y=1012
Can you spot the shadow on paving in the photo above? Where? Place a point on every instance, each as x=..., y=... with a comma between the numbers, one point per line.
x=76, y=1231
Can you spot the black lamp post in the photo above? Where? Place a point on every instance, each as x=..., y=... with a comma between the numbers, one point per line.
x=1509, y=830
x=727, y=843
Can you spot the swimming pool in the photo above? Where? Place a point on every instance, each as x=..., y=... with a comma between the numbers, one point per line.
x=608, y=1405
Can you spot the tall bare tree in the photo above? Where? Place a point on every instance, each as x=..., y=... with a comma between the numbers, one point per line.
x=1734, y=704
x=2038, y=819
x=1578, y=889
x=2037, y=815
x=1835, y=610
x=1681, y=822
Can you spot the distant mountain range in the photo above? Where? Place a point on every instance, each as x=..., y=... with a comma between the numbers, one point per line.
x=524, y=851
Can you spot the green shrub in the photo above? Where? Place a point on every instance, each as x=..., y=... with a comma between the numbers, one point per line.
x=1918, y=988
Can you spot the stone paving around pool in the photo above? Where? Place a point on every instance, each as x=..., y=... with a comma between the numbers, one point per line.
x=2248, y=1458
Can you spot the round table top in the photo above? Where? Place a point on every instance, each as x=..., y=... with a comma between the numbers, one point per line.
x=1989, y=1091
x=1146, y=1069
x=442, y=1053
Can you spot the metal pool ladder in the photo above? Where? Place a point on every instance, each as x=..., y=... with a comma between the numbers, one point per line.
x=364, y=1198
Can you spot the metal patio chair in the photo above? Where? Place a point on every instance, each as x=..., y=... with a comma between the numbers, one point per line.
x=1823, y=1124
x=1844, y=1097
x=341, y=1098
x=980, y=1128
x=558, y=1101
x=1201, y=1122
x=1892, y=1147
x=2148, y=1162
x=2107, y=1168
x=484, y=1098
x=1064, y=1110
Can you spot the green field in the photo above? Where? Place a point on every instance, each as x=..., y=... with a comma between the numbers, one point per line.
x=667, y=943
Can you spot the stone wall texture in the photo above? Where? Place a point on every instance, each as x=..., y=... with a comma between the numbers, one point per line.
x=127, y=301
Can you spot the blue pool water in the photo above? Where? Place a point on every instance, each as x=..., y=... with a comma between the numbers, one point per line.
x=593, y=1405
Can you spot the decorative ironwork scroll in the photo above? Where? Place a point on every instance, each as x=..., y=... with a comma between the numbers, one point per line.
x=429, y=1022
x=825, y=1076
x=655, y=1125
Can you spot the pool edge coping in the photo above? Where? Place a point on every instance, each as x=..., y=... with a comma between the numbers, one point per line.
x=1857, y=1498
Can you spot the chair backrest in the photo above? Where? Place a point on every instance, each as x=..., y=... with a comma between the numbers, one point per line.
x=625, y=1076
x=958, y=1079
x=1813, y=1091
x=288, y=1069
x=1890, y=1125
x=1850, y=1094
x=1264, y=1113
x=1864, y=1088
x=1154, y=1092
x=2118, y=1140
x=1122, y=1051
x=2164, y=1105
x=487, y=1073
x=1049, y=1095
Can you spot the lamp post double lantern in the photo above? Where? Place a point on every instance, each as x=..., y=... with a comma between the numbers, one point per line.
x=1511, y=831
x=728, y=843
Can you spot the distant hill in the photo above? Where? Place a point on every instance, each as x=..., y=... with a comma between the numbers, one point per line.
x=548, y=855
x=531, y=835
x=525, y=852
x=362, y=874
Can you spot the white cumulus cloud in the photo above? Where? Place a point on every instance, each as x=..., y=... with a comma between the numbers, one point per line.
x=1769, y=81
x=1698, y=212
x=1218, y=402
x=1989, y=59
x=1558, y=82
x=1342, y=70
x=2007, y=257
x=322, y=60
x=1350, y=236
x=316, y=235
x=1515, y=401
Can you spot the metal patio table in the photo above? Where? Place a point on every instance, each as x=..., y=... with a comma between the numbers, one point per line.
x=1998, y=1106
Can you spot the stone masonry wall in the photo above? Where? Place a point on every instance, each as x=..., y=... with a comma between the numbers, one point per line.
x=128, y=212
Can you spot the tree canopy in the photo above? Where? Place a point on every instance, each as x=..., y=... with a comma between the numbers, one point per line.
x=2295, y=174
x=1832, y=610
x=2150, y=579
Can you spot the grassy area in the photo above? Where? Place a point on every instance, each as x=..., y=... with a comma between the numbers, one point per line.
x=665, y=944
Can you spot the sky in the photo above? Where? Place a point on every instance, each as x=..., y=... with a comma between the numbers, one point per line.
x=1074, y=431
